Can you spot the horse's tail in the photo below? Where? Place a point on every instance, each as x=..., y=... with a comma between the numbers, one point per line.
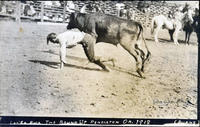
x=152, y=26
x=51, y=38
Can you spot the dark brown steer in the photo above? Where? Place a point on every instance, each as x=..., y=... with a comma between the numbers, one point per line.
x=113, y=30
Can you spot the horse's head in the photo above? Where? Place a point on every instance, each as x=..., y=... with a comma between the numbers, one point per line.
x=187, y=17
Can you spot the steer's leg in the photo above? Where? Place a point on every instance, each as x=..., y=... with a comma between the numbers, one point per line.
x=128, y=44
x=144, y=52
x=88, y=46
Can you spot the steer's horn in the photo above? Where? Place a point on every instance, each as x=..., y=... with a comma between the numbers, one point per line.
x=51, y=37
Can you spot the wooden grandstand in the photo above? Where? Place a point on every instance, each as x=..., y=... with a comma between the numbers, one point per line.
x=155, y=8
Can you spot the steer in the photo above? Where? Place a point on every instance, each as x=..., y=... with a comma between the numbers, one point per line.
x=113, y=30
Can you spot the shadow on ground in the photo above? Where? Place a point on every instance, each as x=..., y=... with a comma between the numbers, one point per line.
x=55, y=65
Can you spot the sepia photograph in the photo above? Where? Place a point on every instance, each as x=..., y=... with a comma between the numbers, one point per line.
x=99, y=59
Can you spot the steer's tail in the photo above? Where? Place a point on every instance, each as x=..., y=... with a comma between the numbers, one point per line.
x=52, y=38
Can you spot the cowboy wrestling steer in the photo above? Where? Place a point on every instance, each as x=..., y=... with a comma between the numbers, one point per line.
x=113, y=30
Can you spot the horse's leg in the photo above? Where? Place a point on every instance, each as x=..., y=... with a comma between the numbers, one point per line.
x=186, y=36
x=88, y=46
x=176, y=32
x=189, y=37
x=171, y=32
x=129, y=46
x=156, y=33
x=176, y=36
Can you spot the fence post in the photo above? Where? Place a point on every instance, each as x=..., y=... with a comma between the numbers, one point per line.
x=18, y=12
x=64, y=11
x=42, y=11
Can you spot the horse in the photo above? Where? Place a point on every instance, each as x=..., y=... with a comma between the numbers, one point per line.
x=173, y=25
x=189, y=27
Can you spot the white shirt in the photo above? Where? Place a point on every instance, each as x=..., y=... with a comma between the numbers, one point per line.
x=70, y=37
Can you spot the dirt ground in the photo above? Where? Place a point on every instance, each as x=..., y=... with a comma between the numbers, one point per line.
x=32, y=85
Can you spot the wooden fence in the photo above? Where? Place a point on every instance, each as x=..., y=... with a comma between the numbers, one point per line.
x=109, y=7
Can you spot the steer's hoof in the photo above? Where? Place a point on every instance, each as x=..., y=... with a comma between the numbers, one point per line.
x=113, y=61
x=140, y=74
x=106, y=69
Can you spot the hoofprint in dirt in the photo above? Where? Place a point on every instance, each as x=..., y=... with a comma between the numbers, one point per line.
x=31, y=83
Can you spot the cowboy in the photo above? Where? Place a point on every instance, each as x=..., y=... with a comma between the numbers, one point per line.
x=68, y=39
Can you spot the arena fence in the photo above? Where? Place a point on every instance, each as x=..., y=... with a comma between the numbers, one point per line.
x=14, y=10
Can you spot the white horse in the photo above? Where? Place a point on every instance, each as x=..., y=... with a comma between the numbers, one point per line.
x=173, y=25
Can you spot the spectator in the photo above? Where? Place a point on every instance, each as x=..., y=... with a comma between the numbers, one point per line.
x=131, y=14
x=2, y=7
x=48, y=3
x=70, y=6
x=119, y=6
x=45, y=17
x=143, y=6
x=29, y=9
x=123, y=12
x=10, y=5
x=26, y=8
x=97, y=8
x=170, y=15
x=60, y=19
x=32, y=11
x=83, y=9
x=56, y=3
